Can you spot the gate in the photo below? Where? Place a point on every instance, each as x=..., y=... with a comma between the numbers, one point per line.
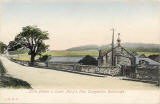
x=128, y=71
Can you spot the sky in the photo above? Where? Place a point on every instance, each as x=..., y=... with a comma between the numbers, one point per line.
x=77, y=23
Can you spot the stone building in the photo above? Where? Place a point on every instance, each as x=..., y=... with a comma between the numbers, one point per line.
x=117, y=56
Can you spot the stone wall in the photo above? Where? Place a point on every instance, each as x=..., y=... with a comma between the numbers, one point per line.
x=114, y=71
x=151, y=73
x=60, y=66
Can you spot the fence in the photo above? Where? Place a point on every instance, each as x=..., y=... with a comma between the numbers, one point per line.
x=24, y=63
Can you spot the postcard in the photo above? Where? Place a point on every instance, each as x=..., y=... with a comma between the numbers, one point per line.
x=79, y=51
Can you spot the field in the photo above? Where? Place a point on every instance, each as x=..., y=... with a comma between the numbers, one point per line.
x=71, y=53
x=26, y=57
x=148, y=53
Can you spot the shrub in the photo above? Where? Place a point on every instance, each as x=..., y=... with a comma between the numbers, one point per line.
x=153, y=57
x=88, y=60
x=44, y=58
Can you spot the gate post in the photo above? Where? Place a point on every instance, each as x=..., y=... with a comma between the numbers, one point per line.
x=122, y=69
x=158, y=82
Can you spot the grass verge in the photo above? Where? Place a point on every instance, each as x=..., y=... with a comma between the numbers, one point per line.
x=10, y=82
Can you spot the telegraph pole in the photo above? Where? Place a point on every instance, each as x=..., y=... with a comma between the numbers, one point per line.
x=113, y=47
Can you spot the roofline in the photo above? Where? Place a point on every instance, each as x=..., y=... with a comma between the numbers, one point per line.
x=103, y=53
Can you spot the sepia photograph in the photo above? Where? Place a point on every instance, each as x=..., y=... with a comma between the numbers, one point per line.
x=80, y=51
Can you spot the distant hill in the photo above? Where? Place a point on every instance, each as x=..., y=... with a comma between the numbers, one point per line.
x=137, y=45
x=84, y=48
x=126, y=45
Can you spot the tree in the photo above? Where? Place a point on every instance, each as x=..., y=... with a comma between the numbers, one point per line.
x=88, y=60
x=3, y=47
x=13, y=45
x=42, y=48
x=32, y=38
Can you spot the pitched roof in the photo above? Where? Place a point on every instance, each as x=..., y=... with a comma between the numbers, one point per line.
x=65, y=59
x=151, y=62
x=106, y=52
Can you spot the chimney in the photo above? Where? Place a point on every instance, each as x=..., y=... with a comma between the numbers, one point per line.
x=118, y=40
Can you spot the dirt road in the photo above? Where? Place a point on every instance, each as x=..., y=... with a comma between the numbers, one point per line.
x=46, y=78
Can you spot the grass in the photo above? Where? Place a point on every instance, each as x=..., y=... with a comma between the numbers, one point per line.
x=71, y=53
x=26, y=57
x=10, y=82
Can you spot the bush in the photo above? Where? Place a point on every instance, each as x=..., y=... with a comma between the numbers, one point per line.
x=153, y=57
x=44, y=58
x=88, y=60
